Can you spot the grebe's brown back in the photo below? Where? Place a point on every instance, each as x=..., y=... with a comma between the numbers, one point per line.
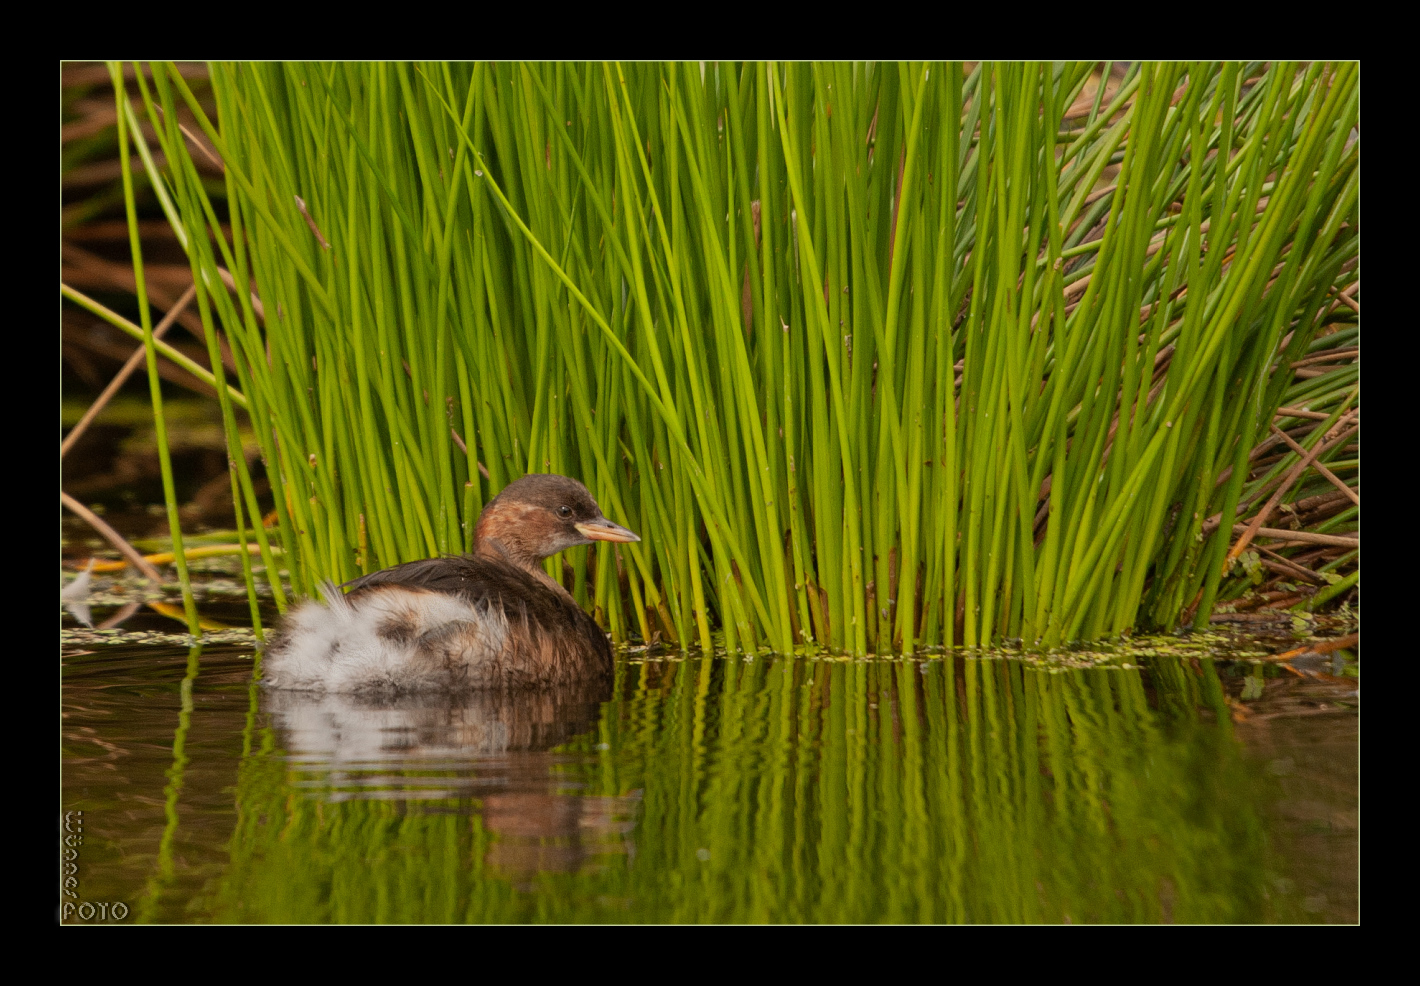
x=485, y=620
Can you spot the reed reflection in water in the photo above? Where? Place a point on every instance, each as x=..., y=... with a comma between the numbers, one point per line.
x=790, y=790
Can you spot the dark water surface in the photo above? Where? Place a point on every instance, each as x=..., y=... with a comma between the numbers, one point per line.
x=960, y=789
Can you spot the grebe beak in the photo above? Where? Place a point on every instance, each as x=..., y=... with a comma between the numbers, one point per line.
x=602, y=529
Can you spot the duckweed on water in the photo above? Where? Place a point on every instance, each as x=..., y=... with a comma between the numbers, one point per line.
x=89, y=639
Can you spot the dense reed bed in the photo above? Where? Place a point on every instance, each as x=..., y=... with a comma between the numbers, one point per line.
x=872, y=356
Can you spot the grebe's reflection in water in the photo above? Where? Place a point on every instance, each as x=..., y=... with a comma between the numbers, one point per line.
x=343, y=729
x=485, y=752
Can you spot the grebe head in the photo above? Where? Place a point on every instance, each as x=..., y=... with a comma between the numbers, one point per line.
x=539, y=515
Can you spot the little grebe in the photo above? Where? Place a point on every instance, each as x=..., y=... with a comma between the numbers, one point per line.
x=491, y=619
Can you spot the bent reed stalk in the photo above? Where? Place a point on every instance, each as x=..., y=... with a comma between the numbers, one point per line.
x=872, y=356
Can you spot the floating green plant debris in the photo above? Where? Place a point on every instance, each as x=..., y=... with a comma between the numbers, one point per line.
x=70, y=639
